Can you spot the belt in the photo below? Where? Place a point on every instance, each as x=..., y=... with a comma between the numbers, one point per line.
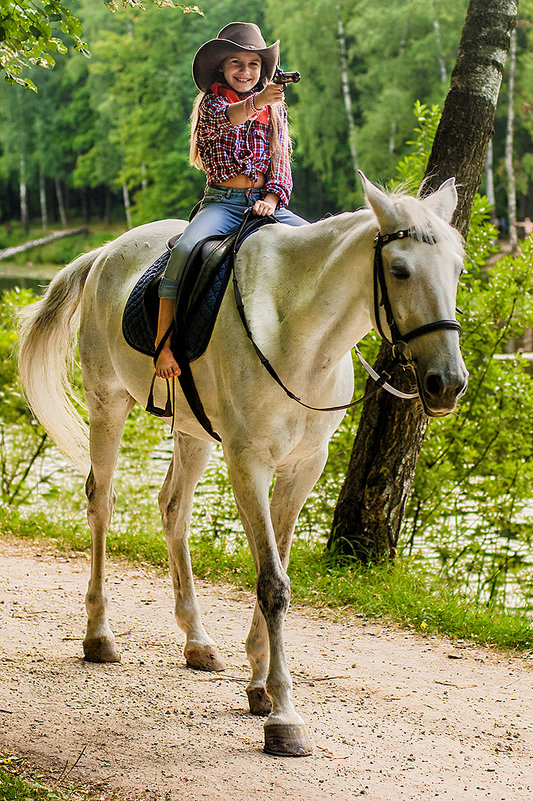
x=228, y=192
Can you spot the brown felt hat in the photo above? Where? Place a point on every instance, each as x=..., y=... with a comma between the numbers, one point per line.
x=237, y=36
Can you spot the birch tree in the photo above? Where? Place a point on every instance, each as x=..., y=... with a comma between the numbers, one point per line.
x=509, y=152
x=371, y=505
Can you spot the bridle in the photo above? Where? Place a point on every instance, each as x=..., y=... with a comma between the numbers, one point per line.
x=398, y=342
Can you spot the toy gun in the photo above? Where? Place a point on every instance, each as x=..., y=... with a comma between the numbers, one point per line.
x=282, y=77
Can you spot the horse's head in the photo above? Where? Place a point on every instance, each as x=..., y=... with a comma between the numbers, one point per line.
x=419, y=258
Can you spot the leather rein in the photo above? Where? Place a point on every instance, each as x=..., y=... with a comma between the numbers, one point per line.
x=398, y=342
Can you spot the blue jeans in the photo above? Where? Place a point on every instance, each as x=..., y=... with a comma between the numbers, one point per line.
x=221, y=210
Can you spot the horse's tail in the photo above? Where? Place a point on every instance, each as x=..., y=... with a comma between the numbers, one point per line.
x=46, y=351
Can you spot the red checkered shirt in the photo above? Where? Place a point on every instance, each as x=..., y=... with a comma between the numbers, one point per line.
x=228, y=150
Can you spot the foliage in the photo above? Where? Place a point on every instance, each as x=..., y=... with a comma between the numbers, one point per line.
x=471, y=502
x=29, y=34
x=470, y=512
x=119, y=120
x=412, y=168
x=320, y=137
x=23, y=443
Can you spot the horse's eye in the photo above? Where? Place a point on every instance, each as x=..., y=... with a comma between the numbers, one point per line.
x=400, y=271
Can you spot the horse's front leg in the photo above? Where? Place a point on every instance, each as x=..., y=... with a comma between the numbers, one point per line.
x=292, y=487
x=108, y=412
x=189, y=461
x=285, y=731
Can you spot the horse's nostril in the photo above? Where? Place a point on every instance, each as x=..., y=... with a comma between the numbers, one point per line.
x=434, y=385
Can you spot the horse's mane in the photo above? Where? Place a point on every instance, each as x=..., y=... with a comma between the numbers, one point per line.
x=423, y=220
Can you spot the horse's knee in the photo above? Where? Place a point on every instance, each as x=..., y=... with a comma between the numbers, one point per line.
x=273, y=593
x=90, y=484
x=101, y=498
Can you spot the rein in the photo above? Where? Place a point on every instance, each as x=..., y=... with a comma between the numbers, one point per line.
x=398, y=342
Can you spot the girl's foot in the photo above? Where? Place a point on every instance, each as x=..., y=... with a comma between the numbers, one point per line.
x=166, y=365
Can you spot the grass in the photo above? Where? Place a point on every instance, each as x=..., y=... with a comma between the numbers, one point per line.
x=19, y=783
x=405, y=592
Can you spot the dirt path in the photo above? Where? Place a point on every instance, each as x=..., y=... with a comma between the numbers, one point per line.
x=395, y=716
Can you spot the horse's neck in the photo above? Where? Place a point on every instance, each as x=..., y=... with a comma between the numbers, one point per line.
x=319, y=286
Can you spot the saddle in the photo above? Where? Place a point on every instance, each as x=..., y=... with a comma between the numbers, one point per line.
x=201, y=287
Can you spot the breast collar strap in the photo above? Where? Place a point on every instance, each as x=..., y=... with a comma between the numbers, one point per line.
x=381, y=298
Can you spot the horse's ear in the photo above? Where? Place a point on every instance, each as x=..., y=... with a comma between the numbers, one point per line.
x=444, y=200
x=381, y=205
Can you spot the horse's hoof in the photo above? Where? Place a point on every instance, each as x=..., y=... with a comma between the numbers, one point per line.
x=287, y=739
x=100, y=649
x=204, y=658
x=260, y=703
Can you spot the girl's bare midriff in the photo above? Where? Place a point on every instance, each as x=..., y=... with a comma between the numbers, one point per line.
x=243, y=182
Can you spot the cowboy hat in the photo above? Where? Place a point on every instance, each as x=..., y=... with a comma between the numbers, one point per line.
x=237, y=36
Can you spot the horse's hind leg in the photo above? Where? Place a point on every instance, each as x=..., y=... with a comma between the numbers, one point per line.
x=189, y=461
x=108, y=411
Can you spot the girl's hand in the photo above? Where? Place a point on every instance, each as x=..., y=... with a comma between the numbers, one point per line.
x=266, y=206
x=262, y=208
x=272, y=93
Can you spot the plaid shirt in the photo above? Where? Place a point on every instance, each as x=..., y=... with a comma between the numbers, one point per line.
x=228, y=150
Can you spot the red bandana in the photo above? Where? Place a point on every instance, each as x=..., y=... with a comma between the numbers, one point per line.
x=220, y=90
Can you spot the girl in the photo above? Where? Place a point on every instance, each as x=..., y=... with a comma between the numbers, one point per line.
x=239, y=137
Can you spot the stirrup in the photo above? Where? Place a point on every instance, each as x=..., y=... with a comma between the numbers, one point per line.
x=158, y=411
x=151, y=408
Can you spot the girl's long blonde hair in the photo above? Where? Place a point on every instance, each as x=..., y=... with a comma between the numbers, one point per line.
x=273, y=142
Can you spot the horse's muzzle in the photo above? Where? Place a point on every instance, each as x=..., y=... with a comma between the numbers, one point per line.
x=440, y=392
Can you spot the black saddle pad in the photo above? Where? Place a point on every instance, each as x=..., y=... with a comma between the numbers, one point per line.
x=200, y=293
x=139, y=322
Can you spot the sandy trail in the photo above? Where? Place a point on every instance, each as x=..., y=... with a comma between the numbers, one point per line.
x=395, y=716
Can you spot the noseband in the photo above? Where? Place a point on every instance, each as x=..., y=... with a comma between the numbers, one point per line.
x=399, y=341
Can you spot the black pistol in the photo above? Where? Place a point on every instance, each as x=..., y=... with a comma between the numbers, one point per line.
x=282, y=77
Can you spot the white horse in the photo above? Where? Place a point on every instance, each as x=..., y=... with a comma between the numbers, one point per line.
x=308, y=294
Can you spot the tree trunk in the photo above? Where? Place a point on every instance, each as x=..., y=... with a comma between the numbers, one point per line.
x=489, y=180
x=107, y=206
x=60, y=202
x=509, y=139
x=8, y=253
x=370, y=510
x=23, y=190
x=346, y=93
x=127, y=204
x=42, y=198
x=438, y=43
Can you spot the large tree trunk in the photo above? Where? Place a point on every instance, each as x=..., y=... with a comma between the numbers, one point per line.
x=372, y=501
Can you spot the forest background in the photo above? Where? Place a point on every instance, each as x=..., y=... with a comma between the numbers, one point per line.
x=106, y=137
x=104, y=141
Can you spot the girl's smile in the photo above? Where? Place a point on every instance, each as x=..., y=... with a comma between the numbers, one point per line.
x=242, y=71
